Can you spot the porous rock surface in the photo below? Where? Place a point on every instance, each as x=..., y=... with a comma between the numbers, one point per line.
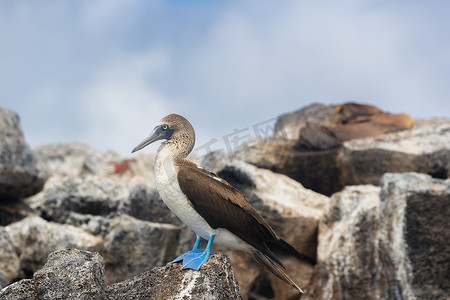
x=21, y=172
x=9, y=260
x=34, y=238
x=77, y=274
x=385, y=242
x=423, y=148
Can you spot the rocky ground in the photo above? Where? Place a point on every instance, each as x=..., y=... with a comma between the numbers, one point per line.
x=364, y=191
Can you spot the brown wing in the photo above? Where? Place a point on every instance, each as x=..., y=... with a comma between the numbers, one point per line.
x=223, y=206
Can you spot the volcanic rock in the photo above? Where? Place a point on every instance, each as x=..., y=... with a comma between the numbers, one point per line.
x=34, y=239
x=76, y=274
x=133, y=246
x=424, y=149
x=9, y=261
x=215, y=280
x=385, y=243
x=21, y=173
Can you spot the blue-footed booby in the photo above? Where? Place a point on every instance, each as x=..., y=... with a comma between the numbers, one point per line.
x=210, y=206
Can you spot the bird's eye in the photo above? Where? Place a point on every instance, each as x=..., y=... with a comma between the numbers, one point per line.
x=165, y=126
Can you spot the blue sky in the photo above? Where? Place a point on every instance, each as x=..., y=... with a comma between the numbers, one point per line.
x=104, y=72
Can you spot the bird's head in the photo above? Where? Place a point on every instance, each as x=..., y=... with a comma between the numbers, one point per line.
x=176, y=130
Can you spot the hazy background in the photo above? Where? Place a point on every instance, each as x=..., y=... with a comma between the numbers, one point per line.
x=104, y=72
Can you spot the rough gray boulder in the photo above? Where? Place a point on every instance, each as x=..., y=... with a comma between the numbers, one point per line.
x=68, y=274
x=3, y=280
x=215, y=280
x=86, y=190
x=13, y=210
x=133, y=246
x=289, y=125
x=79, y=200
x=92, y=201
x=21, y=290
x=351, y=262
x=316, y=170
x=415, y=210
x=34, y=239
x=385, y=243
x=71, y=274
x=9, y=261
x=351, y=121
x=343, y=121
x=424, y=149
x=78, y=160
x=77, y=274
x=21, y=172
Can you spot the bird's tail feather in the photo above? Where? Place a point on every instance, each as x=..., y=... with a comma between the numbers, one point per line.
x=280, y=247
x=273, y=267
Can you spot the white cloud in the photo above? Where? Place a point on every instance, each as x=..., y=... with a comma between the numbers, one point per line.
x=121, y=105
x=329, y=51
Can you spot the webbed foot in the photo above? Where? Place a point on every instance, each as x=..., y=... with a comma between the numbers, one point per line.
x=195, y=258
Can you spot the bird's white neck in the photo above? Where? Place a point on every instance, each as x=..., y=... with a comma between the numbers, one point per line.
x=164, y=163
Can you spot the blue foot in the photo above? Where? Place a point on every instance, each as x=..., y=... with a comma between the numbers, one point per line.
x=183, y=256
x=194, y=251
x=195, y=258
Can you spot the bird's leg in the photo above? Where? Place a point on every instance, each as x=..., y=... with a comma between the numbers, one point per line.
x=197, y=243
x=194, y=250
x=194, y=260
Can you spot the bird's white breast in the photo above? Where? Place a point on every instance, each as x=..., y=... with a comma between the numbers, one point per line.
x=170, y=191
x=172, y=195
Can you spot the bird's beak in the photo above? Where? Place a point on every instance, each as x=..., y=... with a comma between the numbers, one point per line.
x=154, y=136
